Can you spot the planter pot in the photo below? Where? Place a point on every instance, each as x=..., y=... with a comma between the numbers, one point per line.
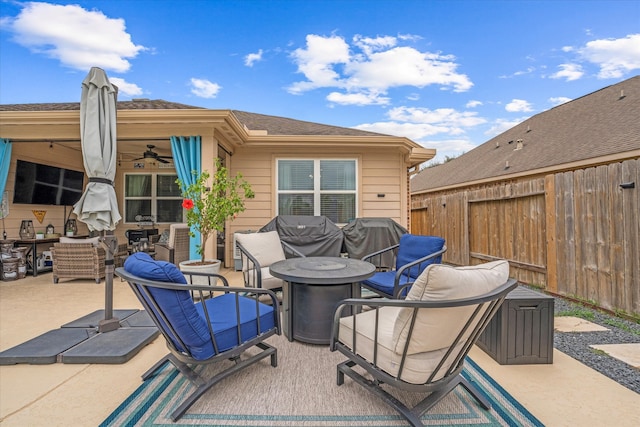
x=212, y=266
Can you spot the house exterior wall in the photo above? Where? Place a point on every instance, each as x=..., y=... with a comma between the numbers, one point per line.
x=40, y=152
x=575, y=232
x=380, y=172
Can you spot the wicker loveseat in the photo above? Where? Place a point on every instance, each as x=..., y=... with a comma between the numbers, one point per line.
x=78, y=261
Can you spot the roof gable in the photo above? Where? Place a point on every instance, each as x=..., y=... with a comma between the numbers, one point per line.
x=605, y=122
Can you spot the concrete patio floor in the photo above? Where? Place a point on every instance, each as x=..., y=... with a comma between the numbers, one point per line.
x=565, y=393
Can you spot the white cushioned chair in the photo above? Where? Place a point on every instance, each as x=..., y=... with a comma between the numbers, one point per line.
x=420, y=343
x=258, y=251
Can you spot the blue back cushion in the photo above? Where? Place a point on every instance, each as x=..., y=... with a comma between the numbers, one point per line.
x=176, y=305
x=413, y=247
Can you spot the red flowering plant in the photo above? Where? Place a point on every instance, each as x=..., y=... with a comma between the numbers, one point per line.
x=210, y=203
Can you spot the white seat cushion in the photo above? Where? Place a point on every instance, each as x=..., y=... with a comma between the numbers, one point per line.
x=434, y=330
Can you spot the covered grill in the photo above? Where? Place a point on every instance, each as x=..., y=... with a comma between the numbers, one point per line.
x=311, y=235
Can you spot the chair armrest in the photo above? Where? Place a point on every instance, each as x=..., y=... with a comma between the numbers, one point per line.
x=290, y=250
x=417, y=263
x=163, y=252
x=498, y=293
x=380, y=252
x=251, y=269
x=375, y=258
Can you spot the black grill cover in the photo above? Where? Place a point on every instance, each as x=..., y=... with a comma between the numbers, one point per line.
x=363, y=236
x=311, y=235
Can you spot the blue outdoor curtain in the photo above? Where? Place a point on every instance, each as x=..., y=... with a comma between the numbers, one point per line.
x=186, y=152
x=5, y=162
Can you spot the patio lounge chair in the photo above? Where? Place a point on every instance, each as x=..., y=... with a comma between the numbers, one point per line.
x=78, y=260
x=258, y=251
x=213, y=330
x=412, y=255
x=419, y=344
x=176, y=249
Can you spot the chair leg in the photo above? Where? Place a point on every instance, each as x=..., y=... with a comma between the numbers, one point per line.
x=203, y=385
x=408, y=414
x=152, y=370
x=413, y=415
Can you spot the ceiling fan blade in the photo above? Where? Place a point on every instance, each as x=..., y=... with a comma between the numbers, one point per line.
x=162, y=160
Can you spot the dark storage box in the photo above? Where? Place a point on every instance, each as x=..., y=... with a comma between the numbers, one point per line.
x=521, y=331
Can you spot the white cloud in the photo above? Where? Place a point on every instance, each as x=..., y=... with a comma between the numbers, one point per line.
x=124, y=88
x=76, y=37
x=518, y=105
x=615, y=57
x=360, y=98
x=419, y=123
x=569, y=72
x=317, y=60
x=559, y=100
x=204, y=88
x=252, y=58
x=372, y=65
x=473, y=104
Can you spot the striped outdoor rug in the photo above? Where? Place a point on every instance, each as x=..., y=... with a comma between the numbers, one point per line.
x=302, y=391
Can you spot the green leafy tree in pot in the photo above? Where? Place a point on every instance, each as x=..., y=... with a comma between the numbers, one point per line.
x=210, y=203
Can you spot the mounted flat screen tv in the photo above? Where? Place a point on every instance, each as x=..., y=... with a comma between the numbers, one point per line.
x=38, y=184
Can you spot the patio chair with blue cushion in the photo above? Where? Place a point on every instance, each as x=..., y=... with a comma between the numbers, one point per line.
x=412, y=255
x=213, y=330
x=419, y=344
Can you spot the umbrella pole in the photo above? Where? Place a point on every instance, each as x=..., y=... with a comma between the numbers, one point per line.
x=110, y=323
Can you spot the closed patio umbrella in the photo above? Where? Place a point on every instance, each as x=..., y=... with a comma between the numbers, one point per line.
x=98, y=206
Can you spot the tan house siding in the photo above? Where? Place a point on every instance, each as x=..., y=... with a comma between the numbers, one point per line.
x=55, y=155
x=250, y=143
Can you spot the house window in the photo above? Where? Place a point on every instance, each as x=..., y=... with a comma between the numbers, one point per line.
x=318, y=187
x=152, y=194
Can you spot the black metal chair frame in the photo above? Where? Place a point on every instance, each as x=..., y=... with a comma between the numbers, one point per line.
x=252, y=275
x=437, y=388
x=375, y=257
x=184, y=360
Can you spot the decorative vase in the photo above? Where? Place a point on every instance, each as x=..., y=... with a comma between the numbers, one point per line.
x=211, y=266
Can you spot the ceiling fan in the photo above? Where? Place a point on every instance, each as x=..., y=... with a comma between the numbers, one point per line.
x=151, y=155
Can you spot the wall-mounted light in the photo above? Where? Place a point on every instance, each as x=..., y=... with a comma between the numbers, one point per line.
x=626, y=185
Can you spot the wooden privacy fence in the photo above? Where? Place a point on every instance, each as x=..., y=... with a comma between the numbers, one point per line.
x=575, y=233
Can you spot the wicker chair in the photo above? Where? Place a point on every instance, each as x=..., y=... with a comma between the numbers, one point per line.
x=176, y=249
x=77, y=261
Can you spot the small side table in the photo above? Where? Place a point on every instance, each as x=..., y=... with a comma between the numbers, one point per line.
x=521, y=332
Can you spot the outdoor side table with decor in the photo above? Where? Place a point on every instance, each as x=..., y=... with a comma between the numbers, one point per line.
x=521, y=332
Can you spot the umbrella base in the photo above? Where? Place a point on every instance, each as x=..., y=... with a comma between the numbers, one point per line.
x=81, y=342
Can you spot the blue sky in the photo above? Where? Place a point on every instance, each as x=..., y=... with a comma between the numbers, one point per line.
x=450, y=75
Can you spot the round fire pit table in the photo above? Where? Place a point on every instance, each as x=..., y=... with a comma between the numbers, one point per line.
x=313, y=287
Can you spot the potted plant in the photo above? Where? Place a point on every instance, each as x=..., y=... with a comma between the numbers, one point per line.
x=211, y=201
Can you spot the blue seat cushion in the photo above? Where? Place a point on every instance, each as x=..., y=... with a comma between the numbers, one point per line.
x=222, y=312
x=384, y=282
x=188, y=319
x=176, y=305
x=413, y=247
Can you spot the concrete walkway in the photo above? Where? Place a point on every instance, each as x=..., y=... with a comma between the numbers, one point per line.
x=565, y=393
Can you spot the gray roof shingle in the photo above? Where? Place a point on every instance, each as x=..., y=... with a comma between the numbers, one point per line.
x=604, y=122
x=274, y=125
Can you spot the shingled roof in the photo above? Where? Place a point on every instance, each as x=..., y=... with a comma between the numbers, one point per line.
x=602, y=123
x=274, y=125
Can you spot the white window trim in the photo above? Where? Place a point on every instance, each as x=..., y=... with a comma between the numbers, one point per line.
x=154, y=197
x=316, y=183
